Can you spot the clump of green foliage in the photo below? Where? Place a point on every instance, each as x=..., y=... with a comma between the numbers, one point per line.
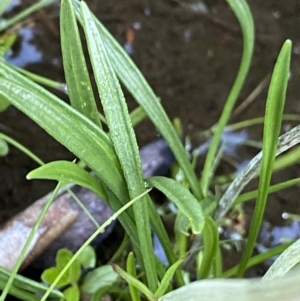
x=114, y=158
x=99, y=280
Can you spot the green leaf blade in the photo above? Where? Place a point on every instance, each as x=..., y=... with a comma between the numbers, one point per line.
x=187, y=204
x=272, y=125
x=211, y=245
x=99, y=278
x=243, y=14
x=136, y=84
x=67, y=172
x=77, y=76
x=122, y=135
x=135, y=282
x=165, y=282
x=76, y=132
x=72, y=293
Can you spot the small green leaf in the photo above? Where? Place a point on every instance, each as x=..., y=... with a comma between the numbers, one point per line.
x=187, y=204
x=3, y=148
x=50, y=274
x=88, y=241
x=72, y=293
x=257, y=259
x=99, y=278
x=211, y=244
x=165, y=282
x=247, y=196
x=87, y=257
x=67, y=172
x=62, y=258
x=72, y=275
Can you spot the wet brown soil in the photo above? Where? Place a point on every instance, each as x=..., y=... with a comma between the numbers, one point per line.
x=189, y=58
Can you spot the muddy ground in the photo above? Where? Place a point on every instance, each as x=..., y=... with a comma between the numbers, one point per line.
x=190, y=59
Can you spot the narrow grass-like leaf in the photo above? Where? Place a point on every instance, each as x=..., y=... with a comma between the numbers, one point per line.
x=136, y=84
x=42, y=80
x=22, y=148
x=67, y=172
x=23, y=253
x=257, y=259
x=164, y=239
x=123, y=137
x=76, y=132
x=137, y=115
x=77, y=76
x=127, y=220
x=88, y=241
x=20, y=294
x=165, y=282
x=258, y=120
x=218, y=264
x=290, y=158
x=285, y=160
x=273, y=117
x=181, y=242
x=4, y=24
x=243, y=14
x=211, y=244
x=274, y=188
x=62, y=258
x=285, y=262
x=187, y=204
x=24, y=285
x=135, y=282
x=130, y=268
